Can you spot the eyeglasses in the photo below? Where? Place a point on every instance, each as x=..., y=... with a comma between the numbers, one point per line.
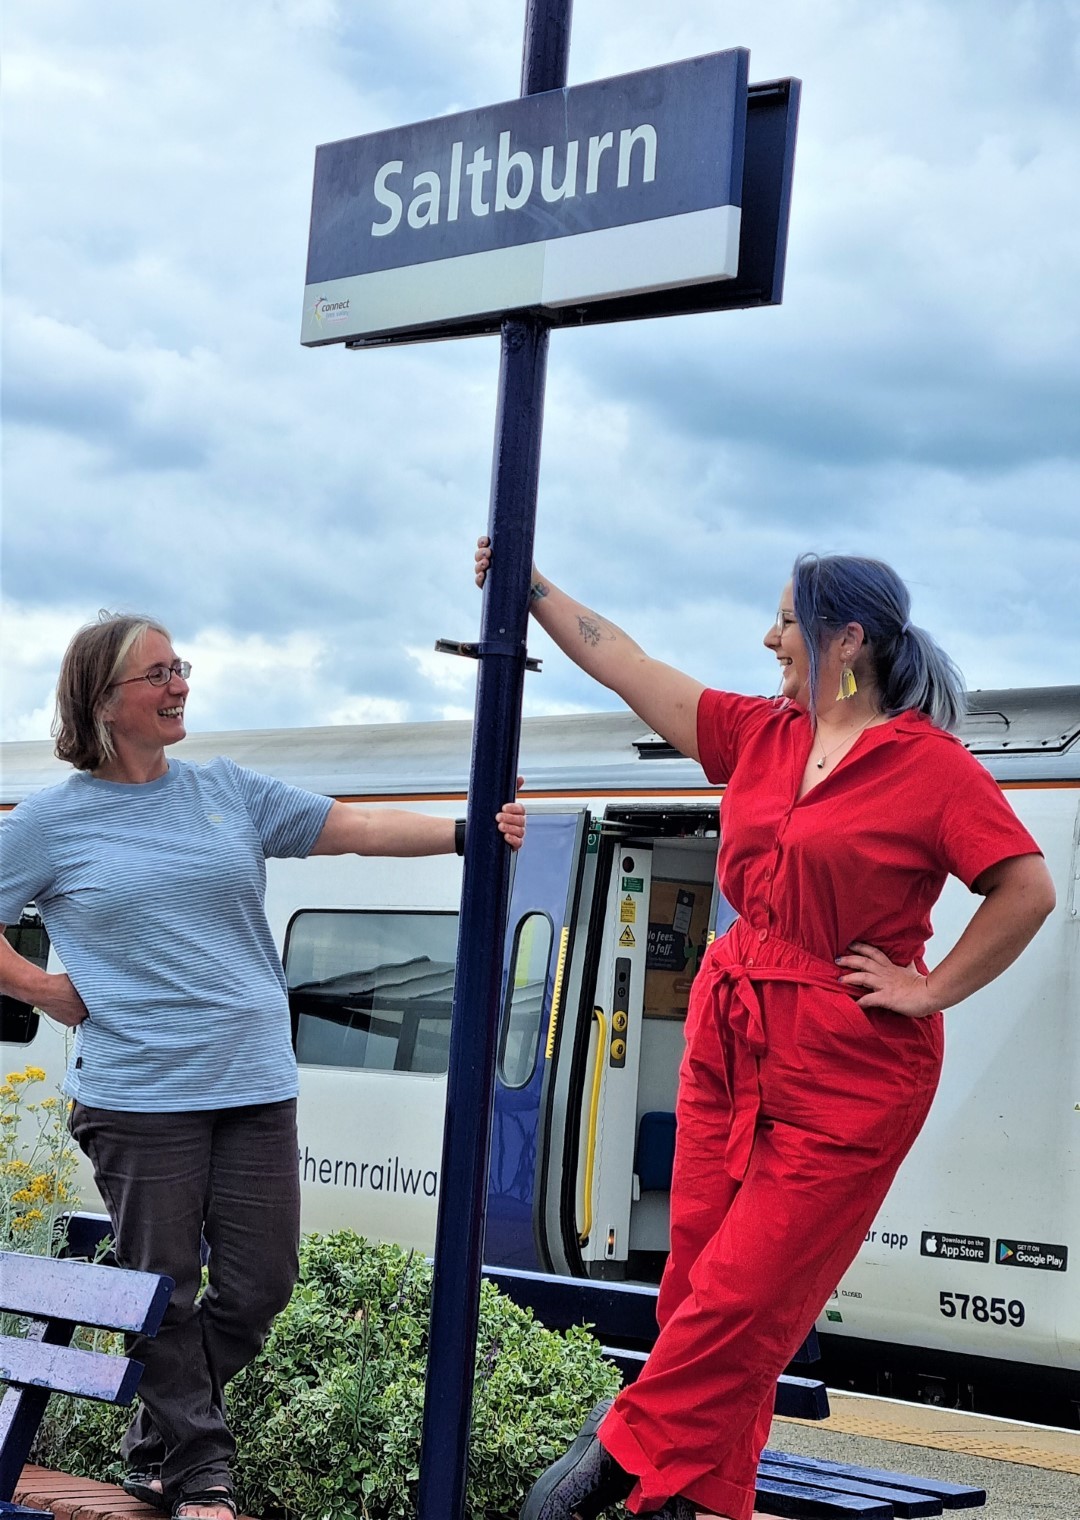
x=784, y=620
x=160, y=675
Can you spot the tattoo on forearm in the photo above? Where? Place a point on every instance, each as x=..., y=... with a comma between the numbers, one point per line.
x=592, y=631
x=537, y=591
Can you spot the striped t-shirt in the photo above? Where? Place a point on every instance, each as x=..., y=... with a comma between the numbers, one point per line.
x=153, y=896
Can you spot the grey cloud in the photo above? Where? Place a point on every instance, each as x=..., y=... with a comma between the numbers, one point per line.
x=174, y=448
x=941, y=411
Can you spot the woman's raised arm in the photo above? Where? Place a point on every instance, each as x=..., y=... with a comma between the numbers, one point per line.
x=663, y=697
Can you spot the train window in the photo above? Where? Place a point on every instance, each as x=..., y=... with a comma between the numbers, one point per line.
x=372, y=991
x=525, y=999
x=18, y=1021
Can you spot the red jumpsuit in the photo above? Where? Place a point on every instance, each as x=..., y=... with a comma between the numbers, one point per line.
x=796, y=1106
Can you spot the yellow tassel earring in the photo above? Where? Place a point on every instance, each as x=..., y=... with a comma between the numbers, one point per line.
x=848, y=684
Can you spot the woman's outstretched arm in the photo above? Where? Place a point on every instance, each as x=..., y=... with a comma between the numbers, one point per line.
x=393, y=831
x=663, y=697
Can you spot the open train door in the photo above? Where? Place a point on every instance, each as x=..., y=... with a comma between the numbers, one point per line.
x=547, y=881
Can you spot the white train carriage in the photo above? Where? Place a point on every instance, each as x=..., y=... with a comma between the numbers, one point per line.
x=964, y=1290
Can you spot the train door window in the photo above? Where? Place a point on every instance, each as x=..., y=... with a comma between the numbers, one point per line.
x=372, y=991
x=525, y=999
x=18, y=1021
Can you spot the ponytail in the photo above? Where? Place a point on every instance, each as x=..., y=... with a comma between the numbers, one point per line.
x=920, y=674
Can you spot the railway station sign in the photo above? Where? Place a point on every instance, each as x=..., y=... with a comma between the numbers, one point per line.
x=579, y=203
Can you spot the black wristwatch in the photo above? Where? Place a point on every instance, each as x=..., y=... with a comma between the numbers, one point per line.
x=459, y=836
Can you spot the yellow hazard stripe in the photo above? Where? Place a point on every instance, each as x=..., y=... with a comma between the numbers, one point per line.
x=556, y=996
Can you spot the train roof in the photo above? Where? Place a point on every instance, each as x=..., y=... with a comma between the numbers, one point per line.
x=1022, y=734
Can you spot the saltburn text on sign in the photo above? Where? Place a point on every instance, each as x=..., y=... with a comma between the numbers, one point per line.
x=580, y=195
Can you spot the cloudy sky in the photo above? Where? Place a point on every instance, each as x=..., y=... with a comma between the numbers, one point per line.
x=303, y=520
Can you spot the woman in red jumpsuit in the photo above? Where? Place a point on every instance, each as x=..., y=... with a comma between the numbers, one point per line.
x=814, y=1033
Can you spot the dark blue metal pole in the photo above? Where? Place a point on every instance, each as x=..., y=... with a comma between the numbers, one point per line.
x=459, y=1236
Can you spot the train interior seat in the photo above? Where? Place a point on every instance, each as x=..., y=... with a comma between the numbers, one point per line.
x=655, y=1152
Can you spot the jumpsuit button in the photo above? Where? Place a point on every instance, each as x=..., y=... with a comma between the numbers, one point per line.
x=763, y=936
x=768, y=874
x=750, y=961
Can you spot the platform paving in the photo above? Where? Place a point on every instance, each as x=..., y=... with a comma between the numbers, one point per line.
x=80, y=1498
x=1029, y=1472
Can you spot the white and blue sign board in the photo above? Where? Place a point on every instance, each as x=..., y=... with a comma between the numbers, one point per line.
x=566, y=199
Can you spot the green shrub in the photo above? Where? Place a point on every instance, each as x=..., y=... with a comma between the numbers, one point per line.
x=328, y=1418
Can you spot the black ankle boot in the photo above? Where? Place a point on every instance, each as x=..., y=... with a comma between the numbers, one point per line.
x=585, y=1482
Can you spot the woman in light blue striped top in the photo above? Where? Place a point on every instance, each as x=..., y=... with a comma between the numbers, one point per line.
x=150, y=875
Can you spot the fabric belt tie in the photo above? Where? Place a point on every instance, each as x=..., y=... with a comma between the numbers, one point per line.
x=747, y=1024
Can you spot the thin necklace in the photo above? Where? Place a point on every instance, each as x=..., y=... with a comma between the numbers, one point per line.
x=848, y=739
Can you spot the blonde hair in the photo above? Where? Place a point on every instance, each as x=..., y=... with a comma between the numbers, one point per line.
x=91, y=663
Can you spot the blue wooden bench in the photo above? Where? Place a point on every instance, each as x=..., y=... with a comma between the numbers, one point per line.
x=623, y=1319
x=54, y=1297
x=622, y=1316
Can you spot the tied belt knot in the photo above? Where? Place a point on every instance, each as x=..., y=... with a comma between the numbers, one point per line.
x=730, y=965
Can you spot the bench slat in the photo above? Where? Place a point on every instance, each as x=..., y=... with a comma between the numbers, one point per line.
x=797, y=1502
x=106, y=1298
x=616, y=1311
x=906, y=1503
x=65, y=1369
x=798, y=1398
x=951, y=1495
x=801, y=1398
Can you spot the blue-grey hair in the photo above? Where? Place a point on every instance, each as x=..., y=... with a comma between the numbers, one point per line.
x=911, y=669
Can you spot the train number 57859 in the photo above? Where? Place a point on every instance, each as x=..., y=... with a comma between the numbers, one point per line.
x=984, y=1311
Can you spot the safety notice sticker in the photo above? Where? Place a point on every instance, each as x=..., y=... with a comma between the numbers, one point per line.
x=627, y=936
x=628, y=911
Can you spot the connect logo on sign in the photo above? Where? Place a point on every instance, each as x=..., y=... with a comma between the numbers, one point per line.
x=330, y=311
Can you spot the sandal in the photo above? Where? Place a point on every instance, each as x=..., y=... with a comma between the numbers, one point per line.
x=208, y=1498
x=139, y=1483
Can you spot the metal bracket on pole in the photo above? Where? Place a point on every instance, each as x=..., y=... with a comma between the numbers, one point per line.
x=474, y=651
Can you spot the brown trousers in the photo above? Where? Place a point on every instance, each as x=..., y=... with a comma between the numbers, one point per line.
x=169, y=1180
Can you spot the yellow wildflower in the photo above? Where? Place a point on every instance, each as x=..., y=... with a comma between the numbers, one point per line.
x=35, y=1073
x=50, y=1102
x=7, y=1091
x=8, y=1119
x=24, y=1195
x=15, y=1077
x=15, y=1168
x=28, y=1220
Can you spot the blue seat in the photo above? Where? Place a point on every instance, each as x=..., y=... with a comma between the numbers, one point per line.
x=655, y=1154
x=53, y=1298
